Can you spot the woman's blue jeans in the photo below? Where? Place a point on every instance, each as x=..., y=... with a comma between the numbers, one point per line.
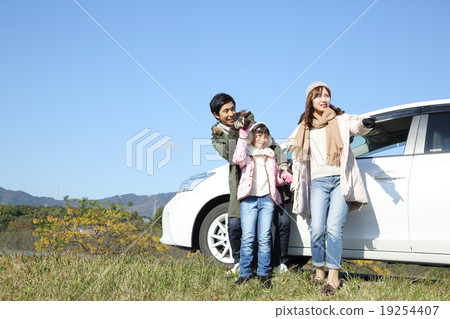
x=328, y=214
x=256, y=220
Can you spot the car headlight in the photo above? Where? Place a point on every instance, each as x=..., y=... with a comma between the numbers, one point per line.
x=193, y=181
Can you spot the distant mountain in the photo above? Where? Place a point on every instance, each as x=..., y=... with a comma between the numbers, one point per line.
x=8, y=197
x=143, y=204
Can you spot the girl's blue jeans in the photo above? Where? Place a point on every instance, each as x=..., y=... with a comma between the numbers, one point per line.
x=256, y=220
x=328, y=214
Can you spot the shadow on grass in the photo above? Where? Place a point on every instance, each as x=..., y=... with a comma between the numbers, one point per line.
x=368, y=277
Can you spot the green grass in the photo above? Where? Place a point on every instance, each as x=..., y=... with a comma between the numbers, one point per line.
x=187, y=277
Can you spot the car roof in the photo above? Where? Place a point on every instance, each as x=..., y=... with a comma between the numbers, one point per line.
x=407, y=106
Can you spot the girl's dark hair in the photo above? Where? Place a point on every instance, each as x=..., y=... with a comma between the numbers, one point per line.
x=218, y=101
x=309, y=109
x=261, y=129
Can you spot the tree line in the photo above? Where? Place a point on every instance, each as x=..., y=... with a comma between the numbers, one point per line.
x=18, y=217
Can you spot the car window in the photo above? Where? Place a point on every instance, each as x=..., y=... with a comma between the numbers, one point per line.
x=388, y=138
x=438, y=133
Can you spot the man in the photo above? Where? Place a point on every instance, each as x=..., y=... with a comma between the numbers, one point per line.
x=224, y=137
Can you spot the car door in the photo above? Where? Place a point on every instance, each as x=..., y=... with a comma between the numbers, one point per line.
x=429, y=184
x=384, y=157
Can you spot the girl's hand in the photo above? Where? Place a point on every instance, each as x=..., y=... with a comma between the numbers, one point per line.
x=287, y=177
x=243, y=133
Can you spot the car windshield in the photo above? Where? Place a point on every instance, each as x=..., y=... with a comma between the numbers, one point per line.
x=388, y=138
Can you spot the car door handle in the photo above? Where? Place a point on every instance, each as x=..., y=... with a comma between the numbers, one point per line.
x=389, y=176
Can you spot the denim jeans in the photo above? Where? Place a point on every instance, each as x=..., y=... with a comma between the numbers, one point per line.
x=256, y=220
x=282, y=223
x=328, y=214
x=234, y=235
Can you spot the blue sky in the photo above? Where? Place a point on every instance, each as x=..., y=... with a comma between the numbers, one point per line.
x=70, y=97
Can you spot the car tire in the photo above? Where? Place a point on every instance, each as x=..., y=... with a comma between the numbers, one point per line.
x=213, y=236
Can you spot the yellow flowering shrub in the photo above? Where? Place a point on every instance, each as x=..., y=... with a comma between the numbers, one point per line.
x=90, y=227
x=377, y=267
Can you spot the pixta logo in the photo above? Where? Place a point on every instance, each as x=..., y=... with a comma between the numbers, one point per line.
x=142, y=147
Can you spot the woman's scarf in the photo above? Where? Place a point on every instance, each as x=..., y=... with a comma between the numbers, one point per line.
x=300, y=144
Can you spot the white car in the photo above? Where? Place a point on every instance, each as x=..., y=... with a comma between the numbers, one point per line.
x=403, y=161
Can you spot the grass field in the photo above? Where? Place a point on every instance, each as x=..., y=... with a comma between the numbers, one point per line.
x=194, y=277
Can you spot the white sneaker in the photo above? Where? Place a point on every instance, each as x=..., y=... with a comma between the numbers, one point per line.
x=234, y=270
x=282, y=268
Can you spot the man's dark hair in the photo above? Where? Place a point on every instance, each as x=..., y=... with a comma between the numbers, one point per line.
x=218, y=101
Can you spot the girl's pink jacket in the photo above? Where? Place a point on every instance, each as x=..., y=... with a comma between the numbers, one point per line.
x=247, y=164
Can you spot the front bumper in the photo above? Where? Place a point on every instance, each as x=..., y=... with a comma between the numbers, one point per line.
x=179, y=217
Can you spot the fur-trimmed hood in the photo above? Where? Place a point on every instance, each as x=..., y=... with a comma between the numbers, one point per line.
x=250, y=134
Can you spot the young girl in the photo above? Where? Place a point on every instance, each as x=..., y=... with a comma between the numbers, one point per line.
x=327, y=181
x=258, y=195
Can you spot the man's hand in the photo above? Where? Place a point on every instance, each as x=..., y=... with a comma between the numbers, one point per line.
x=246, y=120
x=241, y=122
x=238, y=124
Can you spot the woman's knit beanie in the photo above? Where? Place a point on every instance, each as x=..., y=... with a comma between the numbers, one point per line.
x=314, y=85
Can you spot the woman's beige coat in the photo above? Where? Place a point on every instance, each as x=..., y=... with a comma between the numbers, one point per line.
x=352, y=185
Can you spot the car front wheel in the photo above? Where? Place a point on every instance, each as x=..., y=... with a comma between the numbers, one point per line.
x=213, y=236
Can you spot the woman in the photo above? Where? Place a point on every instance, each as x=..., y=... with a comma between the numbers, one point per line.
x=327, y=182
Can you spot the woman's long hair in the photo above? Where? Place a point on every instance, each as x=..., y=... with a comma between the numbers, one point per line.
x=309, y=109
